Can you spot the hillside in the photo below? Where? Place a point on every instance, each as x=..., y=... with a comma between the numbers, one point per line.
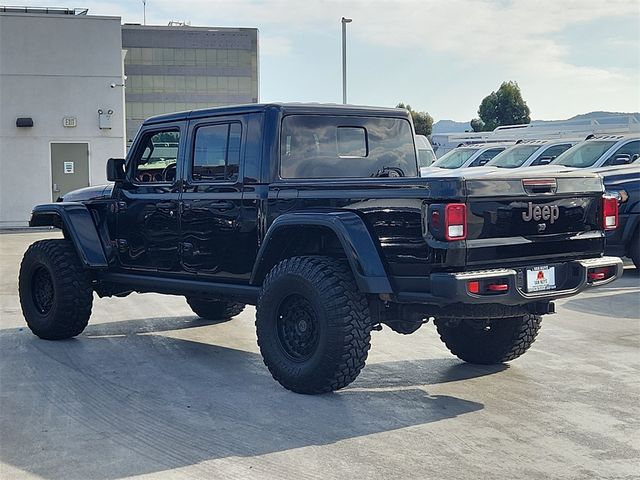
x=451, y=126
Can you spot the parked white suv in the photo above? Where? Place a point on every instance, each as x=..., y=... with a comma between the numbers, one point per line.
x=531, y=153
x=426, y=155
x=468, y=156
x=602, y=151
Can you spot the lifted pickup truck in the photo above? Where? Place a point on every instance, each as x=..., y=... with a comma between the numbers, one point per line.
x=316, y=214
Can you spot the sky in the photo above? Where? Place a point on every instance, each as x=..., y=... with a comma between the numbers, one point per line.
x=440, y=56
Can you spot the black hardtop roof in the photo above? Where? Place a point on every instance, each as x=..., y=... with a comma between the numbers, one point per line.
x=285, y=108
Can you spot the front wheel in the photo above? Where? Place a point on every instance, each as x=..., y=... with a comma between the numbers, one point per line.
x=313, y=325
x=55, y=291
x=489, y=341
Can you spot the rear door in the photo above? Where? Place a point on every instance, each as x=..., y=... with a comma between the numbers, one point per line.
x=212, y=200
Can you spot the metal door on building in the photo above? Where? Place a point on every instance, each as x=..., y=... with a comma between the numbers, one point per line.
x=69, y=167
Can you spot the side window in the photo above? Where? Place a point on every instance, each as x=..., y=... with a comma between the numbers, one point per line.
x=156, y=160
x=550, y=154
x=484, y=157
x=627, y=153
x=216, y=156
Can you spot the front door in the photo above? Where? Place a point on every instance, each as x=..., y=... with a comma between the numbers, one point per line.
x=148, y=232
x=69, y=168
x=212, y=200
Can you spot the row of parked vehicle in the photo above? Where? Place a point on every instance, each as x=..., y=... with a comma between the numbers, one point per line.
x=594, y=152
x=615, y=157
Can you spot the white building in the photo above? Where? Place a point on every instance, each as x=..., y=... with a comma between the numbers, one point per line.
x=60, y=116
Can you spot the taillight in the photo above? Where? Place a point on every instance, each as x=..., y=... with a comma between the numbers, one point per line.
x=609, y=213
x=455, y=221
x=447, y=221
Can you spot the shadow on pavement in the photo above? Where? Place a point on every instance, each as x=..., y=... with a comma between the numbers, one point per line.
x=122, y=400
x=610, y=300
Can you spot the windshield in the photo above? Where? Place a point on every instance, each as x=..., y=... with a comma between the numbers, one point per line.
x=583, y=155
x=455, y=158
x=425, y=157
x=513, y=157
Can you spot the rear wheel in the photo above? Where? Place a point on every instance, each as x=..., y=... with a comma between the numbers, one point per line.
x=214, y=309
x=313, y=325
x=55, y=291
x=489, y=341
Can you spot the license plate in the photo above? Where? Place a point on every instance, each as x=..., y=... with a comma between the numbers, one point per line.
x=541, y=278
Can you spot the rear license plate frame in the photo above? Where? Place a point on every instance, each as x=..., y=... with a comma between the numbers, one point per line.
x=541, y=278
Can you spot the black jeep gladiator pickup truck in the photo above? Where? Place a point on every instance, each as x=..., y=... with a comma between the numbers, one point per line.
x=317, y=215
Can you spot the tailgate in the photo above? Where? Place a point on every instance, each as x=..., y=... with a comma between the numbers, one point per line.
x=542, y=217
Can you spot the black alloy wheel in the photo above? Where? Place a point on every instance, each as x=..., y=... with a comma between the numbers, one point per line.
x=298, y=326
x=42, y=289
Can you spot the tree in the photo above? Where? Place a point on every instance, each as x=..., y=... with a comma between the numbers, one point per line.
x=422, y=121
x=504, y=107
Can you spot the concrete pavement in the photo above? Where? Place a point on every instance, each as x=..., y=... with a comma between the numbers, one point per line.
x=151, y=391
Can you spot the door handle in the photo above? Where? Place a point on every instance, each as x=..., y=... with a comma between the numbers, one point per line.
x=55, y=187
x=221, y=205
x=166, y=205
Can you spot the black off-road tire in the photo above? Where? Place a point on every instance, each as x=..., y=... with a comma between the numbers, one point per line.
x=215, y=309
x=313, y=325
x=489, y=341
x=55, y=290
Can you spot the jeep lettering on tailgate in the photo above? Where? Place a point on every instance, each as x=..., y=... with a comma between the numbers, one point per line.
x=537, y=213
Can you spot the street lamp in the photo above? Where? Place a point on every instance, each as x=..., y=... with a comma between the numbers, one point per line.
x=344, y=58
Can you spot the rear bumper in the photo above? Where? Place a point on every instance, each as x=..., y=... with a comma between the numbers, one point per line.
x=450, y=288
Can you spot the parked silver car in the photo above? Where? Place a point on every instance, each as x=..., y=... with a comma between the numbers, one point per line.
x=468, y=156
x=531, y=153
x=602, y=151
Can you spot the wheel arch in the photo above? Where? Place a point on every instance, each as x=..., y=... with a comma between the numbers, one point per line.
x=77, y=223
x=293, y=234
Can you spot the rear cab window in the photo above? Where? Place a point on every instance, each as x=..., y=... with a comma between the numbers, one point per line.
x=323, y=146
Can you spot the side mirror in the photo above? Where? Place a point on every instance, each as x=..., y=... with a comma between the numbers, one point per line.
x=621, y=159
x=115, y=169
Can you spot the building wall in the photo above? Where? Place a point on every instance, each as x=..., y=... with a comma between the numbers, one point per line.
x=171, y=69
x=52, y=66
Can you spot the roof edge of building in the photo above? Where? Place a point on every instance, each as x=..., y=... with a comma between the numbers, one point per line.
x=50, y=15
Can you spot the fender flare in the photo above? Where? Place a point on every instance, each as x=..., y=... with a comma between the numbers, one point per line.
x=76, y=221
x=363, y=254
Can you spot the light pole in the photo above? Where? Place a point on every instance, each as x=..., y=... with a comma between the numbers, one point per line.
x=144, y=12
x=344, y=58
